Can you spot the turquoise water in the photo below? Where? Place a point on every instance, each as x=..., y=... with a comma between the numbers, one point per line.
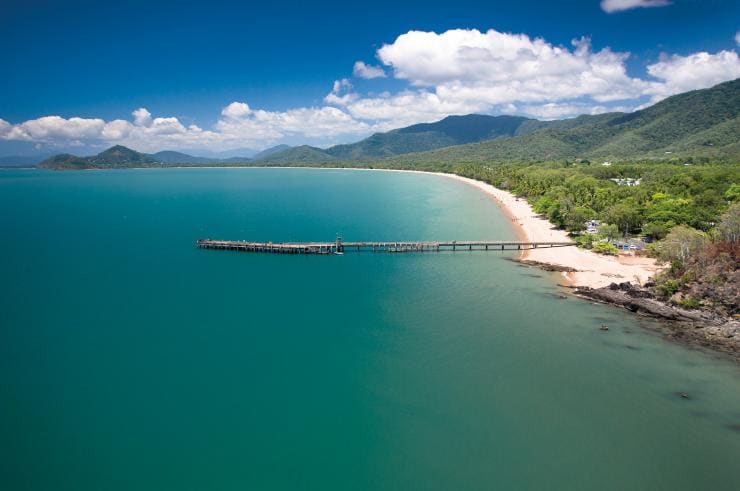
x=129, y=359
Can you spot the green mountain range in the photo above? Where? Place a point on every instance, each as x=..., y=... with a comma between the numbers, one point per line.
x=698, y=123
x=452, y=130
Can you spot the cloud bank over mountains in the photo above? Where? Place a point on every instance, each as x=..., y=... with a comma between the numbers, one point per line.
x=459, y=71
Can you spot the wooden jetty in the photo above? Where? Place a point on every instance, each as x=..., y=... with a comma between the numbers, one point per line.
x=338, y=246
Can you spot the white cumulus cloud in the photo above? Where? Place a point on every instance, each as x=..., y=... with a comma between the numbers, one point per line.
x=341, y=93
x=50, y=128
x=554, y=110
x=497, y=67
x=5, y=128
x=460, y=71
x=610, y=6
x=236, y=110
x=117, y=129
x=387, y=111
x=363, y=70
x=696, y=71
x=258, y=125
x=142, y=117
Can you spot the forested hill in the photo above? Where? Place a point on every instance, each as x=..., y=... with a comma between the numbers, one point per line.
x=116, y=156
x=119, y=156
x=698, y=123
x=452, y=130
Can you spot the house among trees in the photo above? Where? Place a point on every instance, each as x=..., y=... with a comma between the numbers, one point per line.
x=628, y=181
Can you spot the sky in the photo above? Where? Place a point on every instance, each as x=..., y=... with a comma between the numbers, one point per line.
x=216, y=76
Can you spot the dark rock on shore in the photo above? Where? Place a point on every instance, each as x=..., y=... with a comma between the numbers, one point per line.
x=545, y=266
x=696, y=327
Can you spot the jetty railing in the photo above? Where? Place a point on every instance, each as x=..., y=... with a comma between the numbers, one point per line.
x=338, y=246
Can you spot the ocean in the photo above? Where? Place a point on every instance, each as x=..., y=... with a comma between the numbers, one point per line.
x=130, y=359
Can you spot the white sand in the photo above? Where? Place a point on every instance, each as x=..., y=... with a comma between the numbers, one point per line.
x=594, y=270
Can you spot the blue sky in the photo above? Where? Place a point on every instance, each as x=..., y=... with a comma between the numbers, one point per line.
x=210, y=76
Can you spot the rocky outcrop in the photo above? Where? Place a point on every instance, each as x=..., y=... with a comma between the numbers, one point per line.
x=547, y=266
x=692, y=326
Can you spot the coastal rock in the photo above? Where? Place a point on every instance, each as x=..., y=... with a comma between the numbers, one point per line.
x=676, y=298
x=546, y=266
x=691, y=326
x=631, y=290
x=639, y=299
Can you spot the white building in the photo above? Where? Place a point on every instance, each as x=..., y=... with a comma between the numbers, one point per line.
x=628, y=181
x=592, y=226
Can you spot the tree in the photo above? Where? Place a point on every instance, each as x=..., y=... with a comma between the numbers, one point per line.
x=605, y=248
x=543, y=204
x=576, y=218
x=663, y=210
x=609, y=231
x=657, y=230
x=625, y=215
x=733, y=193
x=681, y=243
x=729, y=226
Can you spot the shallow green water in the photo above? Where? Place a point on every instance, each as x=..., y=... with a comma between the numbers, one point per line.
x=129, y=359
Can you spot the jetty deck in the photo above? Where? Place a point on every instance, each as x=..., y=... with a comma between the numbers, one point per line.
x=338, y=246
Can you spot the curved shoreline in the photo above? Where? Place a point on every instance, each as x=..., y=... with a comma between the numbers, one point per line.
x=595, y=277
x=584, y=268
x=580, y=267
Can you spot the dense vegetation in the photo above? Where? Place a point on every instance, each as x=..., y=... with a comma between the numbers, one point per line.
x=703, y=267
x=570, y=193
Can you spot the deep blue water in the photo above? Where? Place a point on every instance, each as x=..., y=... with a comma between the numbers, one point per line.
x=130, y=359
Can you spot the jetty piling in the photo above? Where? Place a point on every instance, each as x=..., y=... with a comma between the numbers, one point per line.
x=339, y=246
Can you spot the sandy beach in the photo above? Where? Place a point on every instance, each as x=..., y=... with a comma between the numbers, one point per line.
x=593, y=270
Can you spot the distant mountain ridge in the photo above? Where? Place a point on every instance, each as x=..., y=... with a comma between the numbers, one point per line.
x=270, y=151
x=172, y=157
x=116, y=156
x=702, y=122
x=452, y=130
x=119, y=156
x=698, y=123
